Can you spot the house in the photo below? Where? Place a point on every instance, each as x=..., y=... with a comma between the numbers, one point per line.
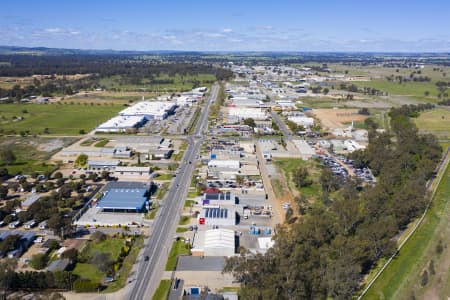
x=58, y=265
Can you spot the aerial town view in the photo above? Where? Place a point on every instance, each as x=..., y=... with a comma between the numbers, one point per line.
x=190, y=150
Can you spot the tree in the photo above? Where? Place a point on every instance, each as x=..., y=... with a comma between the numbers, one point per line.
x=250, y=122
x=7, y=156
x=424, y=278
x=300, y=176
x=3, y=192
x=81, y=160
x=71, y=254
x=102, y=261
x=39, y=261
x=58, y=175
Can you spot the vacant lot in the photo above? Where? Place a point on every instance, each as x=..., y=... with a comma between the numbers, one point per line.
x=436, y=121
x=32, y=154
x=54, y=119
x=337, y=118
x=403, y=278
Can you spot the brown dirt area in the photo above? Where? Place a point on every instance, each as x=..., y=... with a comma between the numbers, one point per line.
x=336, y=118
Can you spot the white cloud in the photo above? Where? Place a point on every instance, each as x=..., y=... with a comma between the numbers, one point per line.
x=227, y=30
x=54, y=30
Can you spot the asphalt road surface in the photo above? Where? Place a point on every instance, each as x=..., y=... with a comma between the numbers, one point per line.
x=158, y=244
x=283, y=127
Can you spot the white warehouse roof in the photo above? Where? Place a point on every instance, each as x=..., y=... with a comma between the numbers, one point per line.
x=219, y=242
x=121, y=123
x=231, y=164
x=152, y=109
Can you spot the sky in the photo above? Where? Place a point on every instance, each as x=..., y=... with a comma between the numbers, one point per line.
x=245, y=25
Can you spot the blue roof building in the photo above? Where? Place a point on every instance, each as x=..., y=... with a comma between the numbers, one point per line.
x=122, y=197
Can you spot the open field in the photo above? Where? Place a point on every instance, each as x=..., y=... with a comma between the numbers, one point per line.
x=412, y=89
x=180, y=83
x=9, y=82
x=403, y=276
x=289, y=165
x=32, y=153
x=336, y=118
x=436, y=121
x=59, y=119
x=88, y=271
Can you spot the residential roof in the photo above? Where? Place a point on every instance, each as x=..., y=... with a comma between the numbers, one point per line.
x=31, y=199
x=58, y=265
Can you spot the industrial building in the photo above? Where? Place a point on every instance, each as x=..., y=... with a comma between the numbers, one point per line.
x=102, y=165
x=122, y=124
x=241, y=113
x=305, y=150
x=154, y=110
x=215, y=242
x=124, y=196
x=219, y=198
x=302, y=120
x=217, y=216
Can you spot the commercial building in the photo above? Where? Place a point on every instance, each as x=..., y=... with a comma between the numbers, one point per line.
x=123, y=172
x=302, y=120
x=102, y=165
x=124, y=197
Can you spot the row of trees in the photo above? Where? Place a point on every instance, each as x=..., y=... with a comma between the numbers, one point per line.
x=340, y=238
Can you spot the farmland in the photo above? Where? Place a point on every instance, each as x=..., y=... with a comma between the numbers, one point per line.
x=53, y=119
x=412, y=89
x=436, y=121
x=161, y=83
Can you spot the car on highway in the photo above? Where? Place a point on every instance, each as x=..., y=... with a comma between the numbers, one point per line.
x=146, y=258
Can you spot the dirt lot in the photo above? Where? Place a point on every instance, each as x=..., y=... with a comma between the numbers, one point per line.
x=336, y=118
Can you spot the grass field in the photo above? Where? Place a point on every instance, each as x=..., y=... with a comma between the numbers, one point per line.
x=180, y=83
x=63, y=119
x=32, y=153
x=162, y=292
x=436, y=121
x=414, y=89
x=88, y=271
x=178, y=248
x=402, y=277
x=288, y=165
x=127, y=265
x=110, y=245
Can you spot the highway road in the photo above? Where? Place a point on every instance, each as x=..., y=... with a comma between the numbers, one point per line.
x=284, y=129
x=158, y=244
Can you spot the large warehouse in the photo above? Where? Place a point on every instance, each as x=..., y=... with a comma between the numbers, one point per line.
x=124, y=197
x=154, y=110
x=215, y=242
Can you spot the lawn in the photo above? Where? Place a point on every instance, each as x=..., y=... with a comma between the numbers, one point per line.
x=178, y=248
x=189, y=203
x=162, y=292
x=127, y=265
x=101, y=143
x=185, y=220
x=403, y=273
x=436, y=121
x=110, y=245
x=162, y=190
x=54, y=119
x=88, y=271
x=414, y=89
x=182, y=229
